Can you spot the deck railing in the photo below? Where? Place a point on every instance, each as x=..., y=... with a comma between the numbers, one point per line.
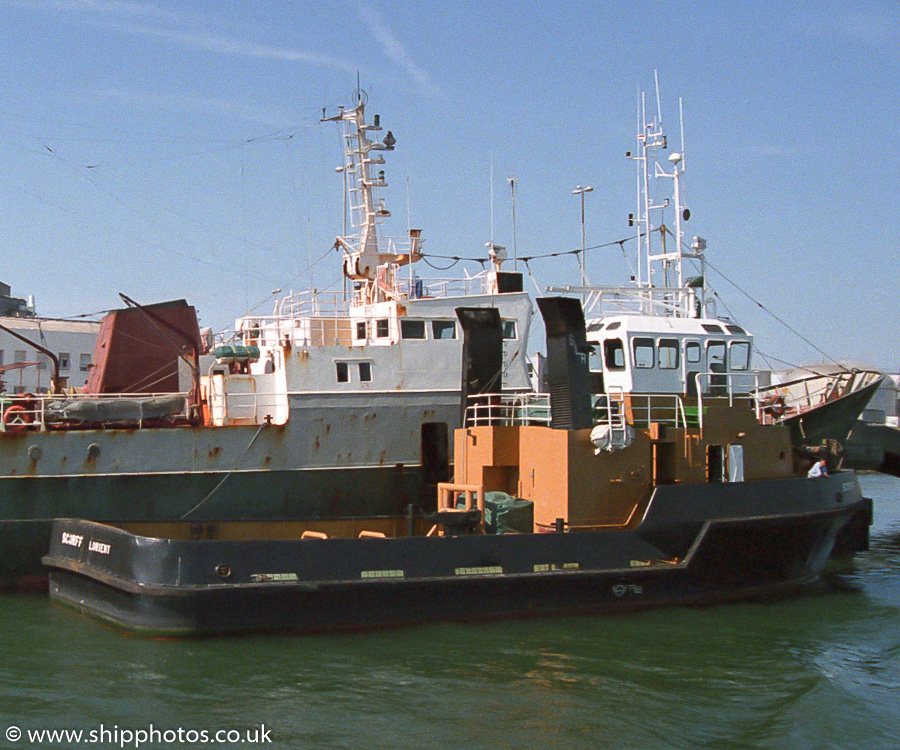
x=22, y=412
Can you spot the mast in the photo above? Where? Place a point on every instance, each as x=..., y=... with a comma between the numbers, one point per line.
x=363, y=256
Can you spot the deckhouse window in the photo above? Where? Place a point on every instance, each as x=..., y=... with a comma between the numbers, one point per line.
x=643, y=353
x=614, y=354
x=363, y=371
x=412, y=329
x=361, y=330
x=712, y=328
x=693, y=352
x=443, y=329
x=382, y=330
x=735, y=329
x=739, y=355
x=509, y=329
x=615, y=324
x=715, y=351
x=668, y=354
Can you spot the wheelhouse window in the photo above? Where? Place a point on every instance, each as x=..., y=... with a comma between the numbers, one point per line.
x=668, y=354
x=644, y=353
x=715, y=352
x=712, y=328
x=739, y=355
x=343, y=372
x=382, y=330
x=412, y=329
x=693, y=352
x=509, y=329
x=443, y=329
x=614, y=354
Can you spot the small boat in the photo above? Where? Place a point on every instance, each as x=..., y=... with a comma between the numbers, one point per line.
x=675, y=510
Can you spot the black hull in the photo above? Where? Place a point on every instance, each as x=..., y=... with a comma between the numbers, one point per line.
x=183, y=588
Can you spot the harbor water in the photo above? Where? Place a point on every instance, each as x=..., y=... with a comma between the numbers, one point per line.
x=821, y=670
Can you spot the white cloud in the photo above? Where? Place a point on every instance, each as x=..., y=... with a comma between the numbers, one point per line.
x=397, y=51
x=219, y=44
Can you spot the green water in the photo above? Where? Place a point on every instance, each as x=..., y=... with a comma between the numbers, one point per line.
x=817, y=671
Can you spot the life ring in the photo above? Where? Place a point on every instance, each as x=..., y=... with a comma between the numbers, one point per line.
x=17, y=417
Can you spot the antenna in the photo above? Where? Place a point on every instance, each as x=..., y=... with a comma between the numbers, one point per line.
x=512, y=188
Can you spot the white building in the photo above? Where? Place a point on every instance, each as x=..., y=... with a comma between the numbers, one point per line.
x=24, y=369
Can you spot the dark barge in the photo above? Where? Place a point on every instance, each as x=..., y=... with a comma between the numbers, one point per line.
x=680, y=553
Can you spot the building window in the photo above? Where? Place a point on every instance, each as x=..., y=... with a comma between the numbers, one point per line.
x=64, y=363
x=365, y=372
x=412, y=329
x=20, y=355
x=643, y=353
x=1, y=357
x=443, y=329
x=343, y=372
x=382, y=331
x=84, y=362
x=668, y=354
x=42, y=361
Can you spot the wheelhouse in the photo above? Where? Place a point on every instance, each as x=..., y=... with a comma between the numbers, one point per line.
x=650, y=354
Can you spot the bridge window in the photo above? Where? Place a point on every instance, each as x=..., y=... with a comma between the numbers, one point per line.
x=693, y=352
x=412, y=329
x=668, y=354
x=509, y=329
x=644, y=353
x=443, y=329
x=614, y=354
x=715, y=351
x=740, y=355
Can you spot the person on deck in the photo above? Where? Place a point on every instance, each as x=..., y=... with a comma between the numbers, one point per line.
x=818, y=469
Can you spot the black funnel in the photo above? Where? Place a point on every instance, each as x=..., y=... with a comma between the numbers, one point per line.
x=482, y=361
x=568, y=372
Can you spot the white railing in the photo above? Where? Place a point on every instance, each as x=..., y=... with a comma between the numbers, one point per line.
x=775, y=402
x=616, y=409
x=35, y=412
x=504, y=409
x=727, y=385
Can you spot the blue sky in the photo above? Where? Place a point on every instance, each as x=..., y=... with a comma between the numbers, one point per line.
x=173, y=149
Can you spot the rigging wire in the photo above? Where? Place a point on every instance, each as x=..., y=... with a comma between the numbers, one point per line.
x=783, y=322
